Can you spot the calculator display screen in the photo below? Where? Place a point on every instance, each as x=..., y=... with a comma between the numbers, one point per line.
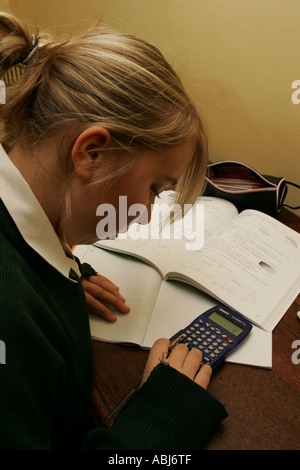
x=225, y=323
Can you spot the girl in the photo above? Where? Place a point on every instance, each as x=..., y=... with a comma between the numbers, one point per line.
x=85, y=120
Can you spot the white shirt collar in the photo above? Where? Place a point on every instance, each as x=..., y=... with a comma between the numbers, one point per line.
x=30, y=218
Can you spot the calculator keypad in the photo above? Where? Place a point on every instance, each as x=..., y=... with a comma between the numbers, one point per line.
x=209, y=339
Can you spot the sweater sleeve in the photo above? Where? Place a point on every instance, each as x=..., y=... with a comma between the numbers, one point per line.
x=169, y=412
x=86, y=269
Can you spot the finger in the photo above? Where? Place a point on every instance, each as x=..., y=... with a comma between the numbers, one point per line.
x=178, y=356
x=96, y=307
x=102, y=295
x=108, y=281
x=192, y=363
x=204, y=375
x=104, y=283
x=158, y=352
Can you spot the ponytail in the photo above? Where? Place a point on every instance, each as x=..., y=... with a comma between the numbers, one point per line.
x=17, y=47
x=15, y=42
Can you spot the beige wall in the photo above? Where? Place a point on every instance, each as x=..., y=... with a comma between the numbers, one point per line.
x=238, y=58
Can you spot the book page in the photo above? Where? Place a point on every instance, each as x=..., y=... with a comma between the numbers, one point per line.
x=178, y=305
x=252, y=264
x=160, y=241
x=161, y=310
x=138, y=283
x=217, y=213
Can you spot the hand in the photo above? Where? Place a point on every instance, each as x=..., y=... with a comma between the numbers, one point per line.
x=100, y=293
x=184, y=361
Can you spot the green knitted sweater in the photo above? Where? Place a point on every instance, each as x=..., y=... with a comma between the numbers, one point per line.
x=46, y=380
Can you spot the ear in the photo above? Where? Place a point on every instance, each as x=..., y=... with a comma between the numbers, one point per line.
x=87, y=147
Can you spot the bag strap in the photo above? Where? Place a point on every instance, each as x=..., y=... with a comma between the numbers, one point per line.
x=296, y=186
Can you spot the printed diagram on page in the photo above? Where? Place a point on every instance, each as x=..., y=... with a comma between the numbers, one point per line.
x=219, y=275
x=160, y=249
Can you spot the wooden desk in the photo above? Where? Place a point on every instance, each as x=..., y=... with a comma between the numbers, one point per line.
x=263, y=405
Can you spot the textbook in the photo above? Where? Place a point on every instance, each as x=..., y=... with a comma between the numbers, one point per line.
x=248, y=261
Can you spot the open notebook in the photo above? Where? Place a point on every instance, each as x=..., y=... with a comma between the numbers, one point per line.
x=249, y=261
x=151, y=316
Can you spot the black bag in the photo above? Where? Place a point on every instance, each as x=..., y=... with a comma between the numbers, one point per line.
x=246, y=188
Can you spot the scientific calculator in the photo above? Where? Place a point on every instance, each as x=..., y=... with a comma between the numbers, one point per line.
x=216, y=332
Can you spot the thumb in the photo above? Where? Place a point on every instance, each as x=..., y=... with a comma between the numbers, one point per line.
x=158, y=351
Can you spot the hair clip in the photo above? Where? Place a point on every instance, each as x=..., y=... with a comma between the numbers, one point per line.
x=15, y=72
x=35, y=42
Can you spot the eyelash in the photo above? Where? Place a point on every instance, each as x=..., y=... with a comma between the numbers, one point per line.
x=155, y=192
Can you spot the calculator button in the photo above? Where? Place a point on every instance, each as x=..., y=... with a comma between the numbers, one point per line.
x=230, y=341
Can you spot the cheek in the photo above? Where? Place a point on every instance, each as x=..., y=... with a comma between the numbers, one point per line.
x=130, y=195
x=134, y=189
x=135, y=208
x=134, y=204
x=146, y=211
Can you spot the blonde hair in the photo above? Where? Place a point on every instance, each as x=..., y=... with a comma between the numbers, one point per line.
x=99, y=77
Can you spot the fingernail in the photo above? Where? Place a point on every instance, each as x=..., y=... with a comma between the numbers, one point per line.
x=125, y=308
